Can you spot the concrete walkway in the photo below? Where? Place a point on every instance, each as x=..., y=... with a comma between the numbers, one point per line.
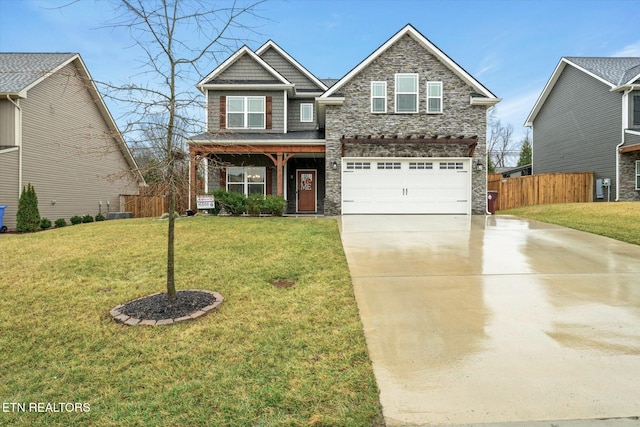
x=497, y=320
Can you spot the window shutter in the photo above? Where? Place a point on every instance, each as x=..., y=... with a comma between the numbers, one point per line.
x=223, y=112
x=268, y=180
x=269, y=112
x=223, y=178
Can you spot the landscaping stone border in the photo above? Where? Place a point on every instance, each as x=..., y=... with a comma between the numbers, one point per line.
x=120, y=317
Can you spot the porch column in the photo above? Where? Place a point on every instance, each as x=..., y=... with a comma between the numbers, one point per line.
x=194, y=160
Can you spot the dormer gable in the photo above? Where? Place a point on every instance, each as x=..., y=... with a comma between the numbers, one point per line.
x=291, y=69
x=244, y=70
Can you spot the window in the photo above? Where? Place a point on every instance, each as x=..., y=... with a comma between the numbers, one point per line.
x=406, y=93
x=638, y=175
x=636, y=110
x=388, y=165
x=434, y=97
x=451, y=165
x=420, y=165
x=245, y=112
x=378, y=97
x=358, y=165
x=306, y=113
x=246, y=181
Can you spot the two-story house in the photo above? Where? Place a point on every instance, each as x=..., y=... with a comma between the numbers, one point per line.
x=402, y=132
x=57, y=134
x=587, y=119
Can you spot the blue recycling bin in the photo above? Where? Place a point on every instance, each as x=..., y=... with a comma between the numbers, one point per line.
x=3, y=228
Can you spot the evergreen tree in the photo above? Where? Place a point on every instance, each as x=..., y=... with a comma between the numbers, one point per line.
x=28, y=217
x=525, y=152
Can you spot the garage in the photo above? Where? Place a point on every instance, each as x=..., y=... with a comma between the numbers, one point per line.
x=406, y=185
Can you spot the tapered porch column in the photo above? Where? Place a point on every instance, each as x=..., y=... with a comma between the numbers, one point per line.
x=279, y=161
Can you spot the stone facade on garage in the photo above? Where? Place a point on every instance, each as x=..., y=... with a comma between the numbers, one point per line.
x=354, y=118
x=628, y=192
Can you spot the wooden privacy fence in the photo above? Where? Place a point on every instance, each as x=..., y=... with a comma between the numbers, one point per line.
x=541, y=189
x=153, y=200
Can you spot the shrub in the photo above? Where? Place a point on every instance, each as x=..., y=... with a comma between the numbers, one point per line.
x=60, y=222
x=28, y=217
x=45, y=223
x=76, y=220
x=254, y=204
x=275, y=205
x=233, y=202
x=87, y=218
x=100, y=217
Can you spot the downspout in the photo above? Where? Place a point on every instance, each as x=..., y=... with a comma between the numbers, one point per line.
x=625, y=120
x=18, y=131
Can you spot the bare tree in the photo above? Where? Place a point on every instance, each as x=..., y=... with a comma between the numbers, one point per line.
x=500, y=147
x=175, y=37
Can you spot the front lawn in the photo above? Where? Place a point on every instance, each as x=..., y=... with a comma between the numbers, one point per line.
x=268, y=357
x=619, y=220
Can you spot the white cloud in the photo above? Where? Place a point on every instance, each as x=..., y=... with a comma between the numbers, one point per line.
x=629, y=50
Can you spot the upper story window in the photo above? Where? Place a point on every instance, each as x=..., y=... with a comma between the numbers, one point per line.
x=306, y=113
x=636, y=110
x=378, y=97
x=434, y=97
x=406, y=93
x=245, y=112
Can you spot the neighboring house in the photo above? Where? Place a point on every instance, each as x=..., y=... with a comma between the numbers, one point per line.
x=587, y=119
x=57, y=134
x=403, y=132
x=514, y=172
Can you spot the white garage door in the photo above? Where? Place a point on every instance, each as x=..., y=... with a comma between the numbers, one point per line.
x=406, y=186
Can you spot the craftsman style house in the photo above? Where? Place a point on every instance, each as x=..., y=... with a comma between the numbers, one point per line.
x=402, y=132
x=587, y=118
x=57, y=134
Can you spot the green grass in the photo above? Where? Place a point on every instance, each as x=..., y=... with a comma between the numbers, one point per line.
x=620, y=220
x=268, y=357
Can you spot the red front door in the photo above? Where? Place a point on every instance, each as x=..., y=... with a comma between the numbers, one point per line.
x=306, y=190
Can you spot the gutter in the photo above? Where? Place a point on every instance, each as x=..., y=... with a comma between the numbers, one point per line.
x=18, y=131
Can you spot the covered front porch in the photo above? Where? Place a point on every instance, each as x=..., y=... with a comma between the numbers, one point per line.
x=295, y=172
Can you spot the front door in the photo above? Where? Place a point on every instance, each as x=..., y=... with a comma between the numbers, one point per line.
x=307, y=190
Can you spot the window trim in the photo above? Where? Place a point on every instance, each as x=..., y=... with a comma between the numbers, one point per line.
x=245, y=111
x=416, y=93
x=245, y=180
x=302, y=107
x=429, y=97
x=383, y=97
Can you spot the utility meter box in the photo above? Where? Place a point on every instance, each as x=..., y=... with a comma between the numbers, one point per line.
x=606, y=182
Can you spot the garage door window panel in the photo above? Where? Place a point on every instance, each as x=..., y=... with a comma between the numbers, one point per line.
x=406, y=93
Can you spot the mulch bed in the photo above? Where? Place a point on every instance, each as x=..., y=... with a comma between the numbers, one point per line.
x=157, y=307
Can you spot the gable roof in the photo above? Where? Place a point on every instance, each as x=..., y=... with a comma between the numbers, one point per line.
x=19, y=72
x=244, y=50
x=270, y=44
x=619, y=73
x=486, y=95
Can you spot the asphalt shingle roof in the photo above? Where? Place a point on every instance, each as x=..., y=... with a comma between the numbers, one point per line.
x=615, y=70
x=19, y=70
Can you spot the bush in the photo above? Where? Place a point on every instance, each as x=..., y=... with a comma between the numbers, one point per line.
x=275, y=205
x=87, y=218
x=75, y=220
x=100, y=217
x=60, y=222
x=28, y=217
x=233, y=202
x=254, y=204
x=45, y=223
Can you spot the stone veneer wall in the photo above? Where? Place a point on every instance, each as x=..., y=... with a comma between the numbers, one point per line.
x=627, y=182
x=353, y=117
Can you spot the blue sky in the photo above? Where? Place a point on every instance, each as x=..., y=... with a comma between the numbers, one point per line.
x=512, y=47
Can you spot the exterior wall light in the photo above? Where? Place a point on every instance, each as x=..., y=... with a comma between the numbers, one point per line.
x=479, y=165
x=334, y=165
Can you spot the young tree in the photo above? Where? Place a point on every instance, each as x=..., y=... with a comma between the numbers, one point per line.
x=175, y=37
x=28, y=216
x=525, y=151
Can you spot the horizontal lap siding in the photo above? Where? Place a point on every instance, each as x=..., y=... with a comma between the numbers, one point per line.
x=70, y=155
x=578, y=127
x=9, y=186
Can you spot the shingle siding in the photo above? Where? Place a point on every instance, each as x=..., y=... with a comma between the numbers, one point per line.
x=354, y=116
x=69, y=155
x=287, y=70
x=245, y=68
x=578, y=127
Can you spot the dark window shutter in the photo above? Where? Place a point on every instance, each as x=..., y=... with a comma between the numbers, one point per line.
x=223, y=112
x=223, y=178
x=269, y=109
x=268, y=180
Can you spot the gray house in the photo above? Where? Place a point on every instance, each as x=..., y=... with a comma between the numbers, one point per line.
x=588, y=119
x=402, y=132
x=57, y=134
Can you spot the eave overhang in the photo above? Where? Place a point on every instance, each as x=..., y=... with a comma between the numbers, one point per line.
x=477, y=100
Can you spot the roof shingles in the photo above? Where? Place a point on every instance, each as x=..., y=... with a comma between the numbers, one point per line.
x=19, y=70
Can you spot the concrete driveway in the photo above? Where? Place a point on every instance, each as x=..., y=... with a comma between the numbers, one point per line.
x=473, y=320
